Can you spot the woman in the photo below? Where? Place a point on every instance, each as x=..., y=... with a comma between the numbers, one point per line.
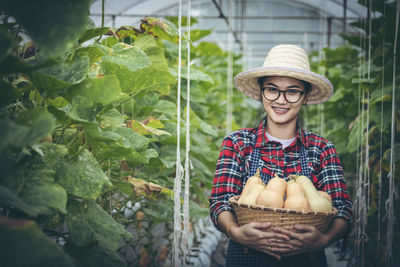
x=279, y=146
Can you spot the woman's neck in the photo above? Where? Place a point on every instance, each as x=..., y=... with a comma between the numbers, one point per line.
x=282, y=131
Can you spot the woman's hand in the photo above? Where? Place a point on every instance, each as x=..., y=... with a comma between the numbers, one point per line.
x=254, y=235
x=308, y=240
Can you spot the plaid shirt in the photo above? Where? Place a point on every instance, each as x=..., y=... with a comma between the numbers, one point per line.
x=233, y=167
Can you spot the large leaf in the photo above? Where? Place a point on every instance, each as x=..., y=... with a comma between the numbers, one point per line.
x=94, y=256
x=148, y=44
x=161, y=28
x=40, y=192
x=89, y=223
x=94, y=51
x=31, y=127
x=131, y=139
x=23, y=244
x=81, y=176
x=53, y=25
x=195, y=74
x=103, y=90
x=8, y=94
x=61, y=76
x=117, y=151
x=91, y=33
x=82, y=109
x=9, y=199
x=124, y=62
x=200, y=124
x=152, y=79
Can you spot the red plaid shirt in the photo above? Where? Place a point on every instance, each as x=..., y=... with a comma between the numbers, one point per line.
x=233, y=167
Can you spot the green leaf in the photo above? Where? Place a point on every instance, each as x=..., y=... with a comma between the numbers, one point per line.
x=151, y=153
x=130, y=139
x=195, y=74
x=166, y=107
x=40, y=191
x=88, y=223
x=196, y=211
x=148, y=44
x=124, y=63
x=52, y=33
x=111, y=117
x=24, y=244
x=184, y=20
x=103, y=90
x=95, y=133
x=196, y=35
x=9, y=199
x=31, y=127
x=94, y=51
x=200, y=124
x=8, y=94
x=91, y=33
x=161, y=28
x=83, y=176
x=82, y=109
x=58, y=77
x=152, y=79
x=119, y=152
x=94, y=256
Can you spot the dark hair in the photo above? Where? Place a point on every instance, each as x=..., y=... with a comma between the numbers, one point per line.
x=262, y=114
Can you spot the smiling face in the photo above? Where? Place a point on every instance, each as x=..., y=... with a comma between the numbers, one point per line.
x=282, y=113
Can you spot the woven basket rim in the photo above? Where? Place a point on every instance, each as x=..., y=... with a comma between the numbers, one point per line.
x=234, y=201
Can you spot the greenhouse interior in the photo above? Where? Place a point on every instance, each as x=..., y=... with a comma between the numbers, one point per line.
x=154, y=133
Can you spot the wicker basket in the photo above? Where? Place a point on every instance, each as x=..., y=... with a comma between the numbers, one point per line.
x=284, y=218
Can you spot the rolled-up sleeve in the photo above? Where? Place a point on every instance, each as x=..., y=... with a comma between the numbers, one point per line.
x=227, y=179
x=331, y=176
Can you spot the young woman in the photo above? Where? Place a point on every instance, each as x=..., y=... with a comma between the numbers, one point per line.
x=279, y=146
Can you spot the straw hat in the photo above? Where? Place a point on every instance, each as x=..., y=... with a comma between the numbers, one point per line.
x=288, y=61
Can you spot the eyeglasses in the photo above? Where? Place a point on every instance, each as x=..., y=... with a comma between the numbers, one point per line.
x=291, y=95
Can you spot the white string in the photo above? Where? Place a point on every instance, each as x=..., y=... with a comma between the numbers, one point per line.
x=229, y=71
x=381, y=138
x=321, y=57
x=179, y=168
x=369, y=37
x=360, y=212
x=392, y=192
x=186, y=218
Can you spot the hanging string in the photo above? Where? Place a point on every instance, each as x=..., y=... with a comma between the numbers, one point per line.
x=369, y=37
x=179, y=168
x=229, y=92
x=321, y=69
x=390, y=200
x=381, y=137
x=359, y=203
x=186, y=217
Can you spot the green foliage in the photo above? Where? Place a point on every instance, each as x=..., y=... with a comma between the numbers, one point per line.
x=88, y=129
x=24, y=244
x=53, y=34
x=357, y=98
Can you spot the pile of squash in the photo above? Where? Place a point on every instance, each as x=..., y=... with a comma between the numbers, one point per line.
x=298, y=193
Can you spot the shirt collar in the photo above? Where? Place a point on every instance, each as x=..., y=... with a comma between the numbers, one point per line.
x=262, y=138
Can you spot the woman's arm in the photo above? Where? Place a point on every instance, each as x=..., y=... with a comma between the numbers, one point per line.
x=311, y=239
x=253, y=235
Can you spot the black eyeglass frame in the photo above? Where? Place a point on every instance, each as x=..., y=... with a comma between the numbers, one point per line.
x=284, y=94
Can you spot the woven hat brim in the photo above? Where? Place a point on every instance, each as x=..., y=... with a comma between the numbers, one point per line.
x=247, y=82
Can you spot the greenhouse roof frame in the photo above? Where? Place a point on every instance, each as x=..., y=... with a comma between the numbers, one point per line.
x=256, y=25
